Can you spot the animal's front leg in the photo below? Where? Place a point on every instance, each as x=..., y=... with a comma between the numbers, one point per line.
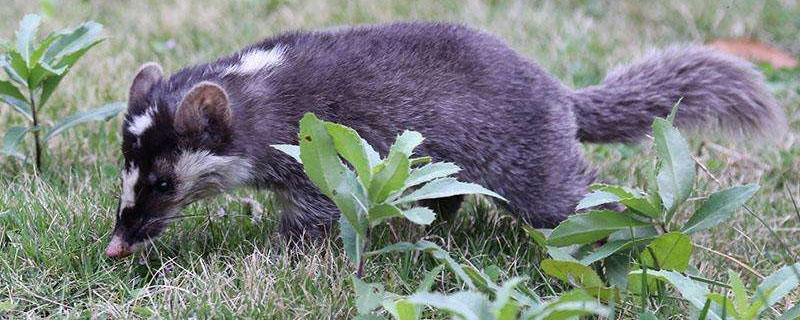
x=307, y=215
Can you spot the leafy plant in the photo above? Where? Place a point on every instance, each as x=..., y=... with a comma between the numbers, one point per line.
x=377, y=189
x=644, y=246
x=34, y=70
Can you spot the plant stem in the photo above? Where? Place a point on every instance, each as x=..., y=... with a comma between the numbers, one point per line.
x=37, y=146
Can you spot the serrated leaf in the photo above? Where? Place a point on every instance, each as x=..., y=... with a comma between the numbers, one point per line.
x=11, y=140
x=777, y=285
x=430, y=172
x=49, y=84
x=26, y=35
x=676, y=175
x=77, y=39
x=670, y=251
x=554, y=252
x=740, y=298
x=349, y=145
x=382, y=212
x=16, y=68
x=407, y=142
x=420, y=215
x=445, y=187
x=590, y=227
x=572, y=272
x=719, y=207
x=390, y=177
x=504, y=294
x=635, y=200
x=11, y=95
x=40, y=49
x=289, y=149
x=103, y=113
x=372, y=155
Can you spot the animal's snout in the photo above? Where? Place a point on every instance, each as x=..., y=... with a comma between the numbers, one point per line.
x=118, y=248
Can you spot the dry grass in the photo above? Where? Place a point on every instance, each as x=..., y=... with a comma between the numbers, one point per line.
x=52, y=229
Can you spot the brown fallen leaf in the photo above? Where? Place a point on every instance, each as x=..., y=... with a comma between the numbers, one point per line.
x=755, y=50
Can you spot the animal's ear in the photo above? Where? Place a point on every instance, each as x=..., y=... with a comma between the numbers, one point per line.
x=204, y=114
x=149, y=74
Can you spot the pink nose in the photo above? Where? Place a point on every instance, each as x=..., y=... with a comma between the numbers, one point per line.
x=117, y=248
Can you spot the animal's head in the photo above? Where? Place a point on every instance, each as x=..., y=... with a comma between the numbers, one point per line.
x=176, y=148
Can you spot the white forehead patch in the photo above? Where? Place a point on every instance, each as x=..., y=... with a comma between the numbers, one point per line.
x=201, y=172
x=256, y=60
x=142, y=122
x=129, y=179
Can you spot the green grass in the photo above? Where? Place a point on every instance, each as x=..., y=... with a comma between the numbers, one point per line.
x=53, y=228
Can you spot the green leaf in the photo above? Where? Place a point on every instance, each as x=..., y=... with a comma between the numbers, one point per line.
x=676, y=174
x=693, y=291
x=670, y=251
x=11, y=139
x=571, y=305
x=41, y=71
x=573, y=273
x=368, y=295
x=352, y=241
x=469, y=305
x=37, y=54
x=596, y=198
x=554, y=252
x=631, y=198
x=503, y=297
x=103, y=113
x=719, y=207
x=16, y=68
x=26, y=35
x=609, y=248
x=402, y=309
x=445, y=187
x=49, y=84
x=382, y=212
x=320, y=160
x=724, y=303
x=590, y=227
x=390, y=178
x=430, y=172
x=407, y=142
x=434, y=250
x=372, y=155
x=647, y=315
x=70, y=42
x=741, y=300
x=11, y=95
x=349, y=145
x=426, y=283
x=289, y=149
x=420, y=215
x=777, y=285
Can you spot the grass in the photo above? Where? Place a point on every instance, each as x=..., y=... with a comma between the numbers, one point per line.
x=53, y=228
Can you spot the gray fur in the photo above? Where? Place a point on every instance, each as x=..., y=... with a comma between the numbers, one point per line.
x=510, y=125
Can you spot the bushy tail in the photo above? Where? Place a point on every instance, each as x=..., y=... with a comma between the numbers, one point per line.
x=713, y=89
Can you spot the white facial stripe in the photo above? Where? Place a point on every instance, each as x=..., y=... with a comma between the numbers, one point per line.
x=142, y=122
x=129, y=179
x=256, y=60
x=201, y=172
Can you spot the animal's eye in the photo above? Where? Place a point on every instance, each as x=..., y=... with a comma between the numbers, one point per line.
x=163, y=186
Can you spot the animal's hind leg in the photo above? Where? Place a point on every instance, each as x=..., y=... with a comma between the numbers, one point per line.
x=446, y=208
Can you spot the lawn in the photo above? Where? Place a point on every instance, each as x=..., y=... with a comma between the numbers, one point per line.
x=225, y=263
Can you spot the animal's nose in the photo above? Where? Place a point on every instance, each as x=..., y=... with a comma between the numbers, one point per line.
x=117, y=248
